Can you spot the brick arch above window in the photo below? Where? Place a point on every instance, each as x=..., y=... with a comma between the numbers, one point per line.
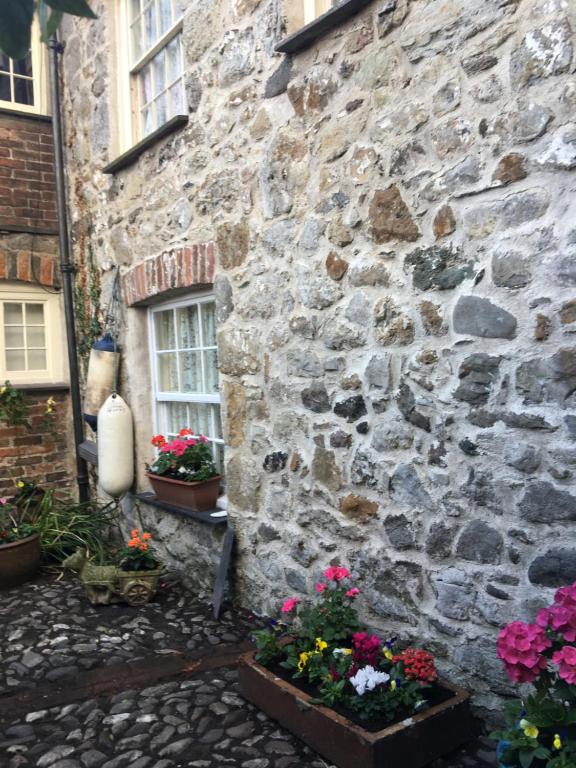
x=168, y=273
x=27, y=267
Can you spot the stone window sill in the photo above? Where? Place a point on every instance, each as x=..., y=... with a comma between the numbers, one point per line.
x=311, y=32
x=129, y=157
x=202, y=517
x=44, y=387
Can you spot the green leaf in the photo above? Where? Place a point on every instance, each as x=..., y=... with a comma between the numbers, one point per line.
x=15, y=23
x=526, y=758
x=73, y=7
x=49, y=21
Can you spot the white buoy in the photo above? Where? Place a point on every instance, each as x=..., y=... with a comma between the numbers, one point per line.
x=115, y=447
x=102, y=373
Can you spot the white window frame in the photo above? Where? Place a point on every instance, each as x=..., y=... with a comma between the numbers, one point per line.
x=315, y=8
x=12, y=292
x=128, y=87
x=204, y=297
x=39, y=79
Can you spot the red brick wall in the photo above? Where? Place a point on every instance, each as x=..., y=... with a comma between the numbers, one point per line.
x=40, y=454
x=27, y=181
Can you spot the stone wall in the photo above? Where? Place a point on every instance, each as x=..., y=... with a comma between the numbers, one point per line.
x=393, y=213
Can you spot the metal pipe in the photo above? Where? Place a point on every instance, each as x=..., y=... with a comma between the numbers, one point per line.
x=67, y=269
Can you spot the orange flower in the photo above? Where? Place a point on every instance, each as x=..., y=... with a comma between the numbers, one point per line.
x=134, y=543
x=146, y=536
x=134, y=533
x=143, y=547
x=185, y=431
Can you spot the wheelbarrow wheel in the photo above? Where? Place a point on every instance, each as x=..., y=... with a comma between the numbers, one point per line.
x=137, y=593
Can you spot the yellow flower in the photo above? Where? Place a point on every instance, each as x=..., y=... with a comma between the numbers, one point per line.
x=529, y=730
x=2, y=390
x=393, y=685
x=303, y=661
x=50, y=403
x=20, y=484
x=320, y=644
x=557, y=743
x=388, y=653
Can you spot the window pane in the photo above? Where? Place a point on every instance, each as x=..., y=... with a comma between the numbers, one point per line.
x=209, y=325
x=36, y=359
x=174, y=56
x=13, y=314
x=14, y=336
x=15, y=360
x=177, y=417
x=217, y=421
x=136, y=33
x=164, y=322
x=23, y=66
x=35, y=336
x=219, y=457
x=147, y=120
x=159, y=67
x=23, y=91
x=199, y=418
x=150, y=31
x=146, y=81
x=188, y=335
x=161, y=110
x=4, y=63
x=165, y=13
x=5, y=92
x=176, y=104
x=211, y=371
x=190, y=372
x=34, y=314
x=168, y=372
x=134, y=9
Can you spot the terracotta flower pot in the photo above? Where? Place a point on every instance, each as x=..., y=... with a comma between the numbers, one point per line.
x=19, y=561
x=199, y=497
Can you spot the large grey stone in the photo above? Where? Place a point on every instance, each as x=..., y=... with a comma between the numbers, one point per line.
x=440, y=540
x=480, y=543
x=548, y=379
x=455, y=594
x=377, y=373
x=315, y=398
x=555, y=568
x=478, y=316
x=400, y=532
x=544, y=503
x=511, y=269
x=523, y=457
x=438, y=267
x=543, y=52
x=407, y=487
x=477, y=373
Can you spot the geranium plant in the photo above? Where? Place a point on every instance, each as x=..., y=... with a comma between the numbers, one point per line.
x=542, y=725
x=320, y=646
x=188, y=457
x=139, y=554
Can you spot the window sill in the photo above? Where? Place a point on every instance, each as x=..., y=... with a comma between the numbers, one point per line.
x=26, y=115
x=129, y=157
x=311, y=32
x=202, y=517
x=42, y=387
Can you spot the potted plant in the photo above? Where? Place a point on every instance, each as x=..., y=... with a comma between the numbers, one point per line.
x=541, y=730
x=184, y=473
x=132, y=579
x=350, y=695
x=20, y=551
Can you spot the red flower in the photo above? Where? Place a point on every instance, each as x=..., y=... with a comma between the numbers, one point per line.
x=158, y=441
x=418, y=665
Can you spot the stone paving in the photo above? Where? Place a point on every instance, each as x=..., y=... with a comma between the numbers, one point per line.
x=50, y=638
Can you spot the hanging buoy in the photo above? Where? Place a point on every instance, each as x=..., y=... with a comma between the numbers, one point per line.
x=102, y=372
x=115, y=447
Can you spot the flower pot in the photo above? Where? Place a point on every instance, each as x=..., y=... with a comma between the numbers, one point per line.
x=412, y=743
x=199, y=497
x=19, y=561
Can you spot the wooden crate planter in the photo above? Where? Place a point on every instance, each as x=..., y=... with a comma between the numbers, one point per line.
x=412, y=743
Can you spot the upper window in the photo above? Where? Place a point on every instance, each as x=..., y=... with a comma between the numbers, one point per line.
x=30, y=335
x=185, y=370
x=22, y=81
x=155, y=68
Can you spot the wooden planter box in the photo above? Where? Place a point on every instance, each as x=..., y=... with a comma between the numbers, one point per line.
x=412, y=743
x=199, y=497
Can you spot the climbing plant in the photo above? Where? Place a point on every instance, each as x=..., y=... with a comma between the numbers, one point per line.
x=13, y=406
x=87, y=299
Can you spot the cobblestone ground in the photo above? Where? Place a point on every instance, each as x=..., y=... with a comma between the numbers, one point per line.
x=51, y=639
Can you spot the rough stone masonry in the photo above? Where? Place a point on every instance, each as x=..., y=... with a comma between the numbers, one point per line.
x=394, y=217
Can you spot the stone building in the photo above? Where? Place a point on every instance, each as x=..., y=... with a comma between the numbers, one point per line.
x=369, y=222
x=32, y=336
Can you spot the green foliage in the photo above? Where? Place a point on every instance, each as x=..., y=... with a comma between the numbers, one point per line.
x=16, y=21
x=188, y=458
x=334, y=619
x=268, y=644
x=87, y=296
x=13, y=406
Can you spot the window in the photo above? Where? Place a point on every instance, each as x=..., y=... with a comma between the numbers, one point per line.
x=23, y=81
x=31, y=335
x=154, y=86
x=185, y=370
x=302, y=12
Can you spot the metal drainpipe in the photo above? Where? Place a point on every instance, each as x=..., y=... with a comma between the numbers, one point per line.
x=67, y=269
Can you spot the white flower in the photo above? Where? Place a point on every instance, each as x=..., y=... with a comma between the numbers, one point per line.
x=341, y=652
x=367, y=679
x=182, y=470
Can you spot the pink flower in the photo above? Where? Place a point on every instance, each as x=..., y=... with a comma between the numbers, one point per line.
x=336, y=573
x=566, y=660
x=290, y=604
x=354, y=592
x=520, y=647
x=566, y=597
x=320, y=587
x=3, y=500
x=561, y=618
x=178, y=447
x=203, y=439
x=166, y=448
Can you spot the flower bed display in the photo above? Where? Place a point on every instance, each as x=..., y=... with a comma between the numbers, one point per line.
x=183, y=473
x=542, y=725
x=348, y=694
